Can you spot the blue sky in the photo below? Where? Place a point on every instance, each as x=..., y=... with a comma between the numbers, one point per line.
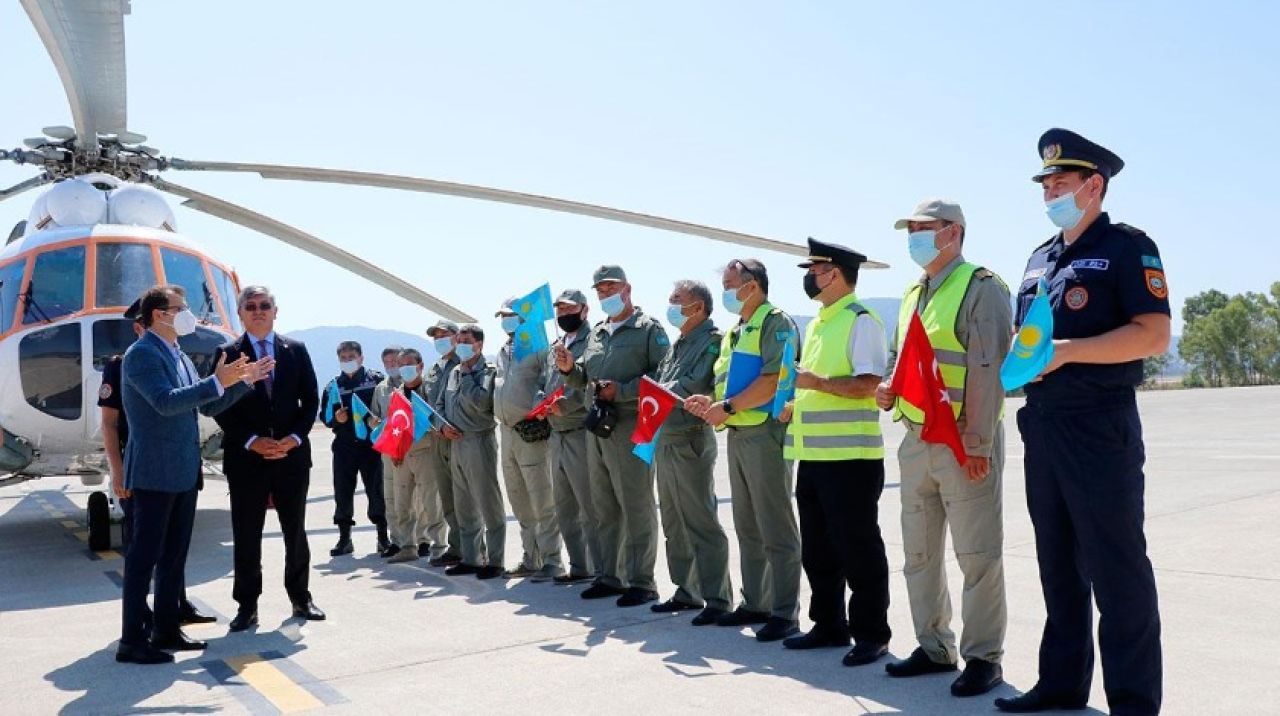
x=788, y=120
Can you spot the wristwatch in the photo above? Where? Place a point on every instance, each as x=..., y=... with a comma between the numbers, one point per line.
x=728, y=408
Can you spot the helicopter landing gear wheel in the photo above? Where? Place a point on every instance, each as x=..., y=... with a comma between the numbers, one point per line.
x=99, y=522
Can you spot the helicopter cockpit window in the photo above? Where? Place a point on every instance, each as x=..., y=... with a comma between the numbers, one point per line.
x=57, y=286
x=10, y=284
x=200, y=347
x=187, y=271
x=227, y=290
x=124, y=273
x=49, y=365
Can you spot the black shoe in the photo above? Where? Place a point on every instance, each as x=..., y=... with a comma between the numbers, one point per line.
x=344, y=546
x=384, y=545
x=308, y=611
x=188, y=614
x=600, y=590
x=424, y=549
x=489, y=571
x=572, y=578
x=461, y=569
x=142, y=654
x=636, y=596
x=1035, y=701
x=918, y=664
x=978, y=678
x=244, y=619
x=818, y=638
x=447, y=560
x=388, y=551
x=742, y=617
x=710, y=615
x=864, y=653
x=777, y=629
x=671, y=605
x=177, y=641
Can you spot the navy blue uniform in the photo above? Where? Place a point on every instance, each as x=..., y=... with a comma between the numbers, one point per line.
x=353, y=456
x=1083, y=460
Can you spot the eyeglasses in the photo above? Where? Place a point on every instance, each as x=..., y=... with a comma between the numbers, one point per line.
x=252, y=307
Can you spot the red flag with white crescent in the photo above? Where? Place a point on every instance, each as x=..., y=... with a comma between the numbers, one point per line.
x=917, y=380
x=397, y=433
x=656, y=403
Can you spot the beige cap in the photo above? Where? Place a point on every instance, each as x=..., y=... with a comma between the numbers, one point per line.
x=934, y=210
x=608, y=273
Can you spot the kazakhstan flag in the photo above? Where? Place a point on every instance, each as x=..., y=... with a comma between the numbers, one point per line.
x=1033, y=347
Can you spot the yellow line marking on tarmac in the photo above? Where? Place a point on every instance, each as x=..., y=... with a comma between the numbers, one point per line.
x=82, y=535
x=70, y=524
x=109, y=554
x=269, y=681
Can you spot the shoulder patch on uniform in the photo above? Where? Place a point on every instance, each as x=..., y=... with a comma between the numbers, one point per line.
x=1076, y=298
x=1152, y=262
x=104, y=392
x=1156, y=283
x=983, y=274
x=662, y=338
x=714, y=349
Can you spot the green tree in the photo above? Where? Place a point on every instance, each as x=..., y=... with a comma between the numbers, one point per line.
x=1232, y=341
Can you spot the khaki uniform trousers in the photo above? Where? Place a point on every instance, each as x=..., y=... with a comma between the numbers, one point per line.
x=697, y=549
x=575, y=513
x=482, y=521
x=764, y=517
x=935, y=492
x=389, y=496
x=622, y=492
x=528, y=479
x=437, y=523
x=418, y=515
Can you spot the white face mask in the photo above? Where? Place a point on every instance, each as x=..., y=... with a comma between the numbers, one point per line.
x=349, y=366
x=184, y=322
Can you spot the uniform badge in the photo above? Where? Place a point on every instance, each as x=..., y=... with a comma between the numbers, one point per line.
x=104, y=392
x=1076, y=298
x=1051, y=152
x=1156, y=284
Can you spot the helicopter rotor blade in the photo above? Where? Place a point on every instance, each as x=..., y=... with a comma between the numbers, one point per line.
x=471, y=191
x=20, y=187
x=297, y=238
x=85, y=40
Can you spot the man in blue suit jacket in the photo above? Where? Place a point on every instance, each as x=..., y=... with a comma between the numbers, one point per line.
x=161, y=393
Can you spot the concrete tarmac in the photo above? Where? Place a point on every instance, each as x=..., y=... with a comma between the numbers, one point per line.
x=406, y=638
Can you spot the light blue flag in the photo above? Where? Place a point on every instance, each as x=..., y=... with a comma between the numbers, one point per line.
x=537, y=302
x=359, y=411
x=645, y=451
x=1033, y=347
x=422, y=414
x=377, y=432
x=333, y=401
x=786, y=378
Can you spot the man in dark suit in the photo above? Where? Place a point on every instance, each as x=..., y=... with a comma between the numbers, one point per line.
x=266, y=455
x=161, y=393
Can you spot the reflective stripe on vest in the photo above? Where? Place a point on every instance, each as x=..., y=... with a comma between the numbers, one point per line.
x=748, y=343
x=827, y=427
x=939, y=319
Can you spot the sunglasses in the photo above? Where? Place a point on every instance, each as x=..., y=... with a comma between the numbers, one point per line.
x=252, y=307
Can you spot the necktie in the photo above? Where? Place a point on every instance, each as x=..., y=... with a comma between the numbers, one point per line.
x=262, y=353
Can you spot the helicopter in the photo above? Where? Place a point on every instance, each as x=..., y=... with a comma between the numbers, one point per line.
x=103, y=233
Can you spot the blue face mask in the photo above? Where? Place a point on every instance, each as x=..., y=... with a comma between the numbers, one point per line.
x=612, y=305
x=510, y=323
x=408, y=373
x=1063, y=211
x=920, y=244
x=675, y=315
x=732, y=303
x=443, y=345
x=466, y=352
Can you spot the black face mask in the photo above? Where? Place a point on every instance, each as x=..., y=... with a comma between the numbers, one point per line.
x=570, y=322
x=811, y=285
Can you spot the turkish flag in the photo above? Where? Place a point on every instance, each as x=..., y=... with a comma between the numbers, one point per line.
x=397, y=434
x=544, y=406
x=917, y=379
x=656, y=403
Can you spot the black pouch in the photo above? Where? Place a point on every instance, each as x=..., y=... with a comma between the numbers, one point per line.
x=532, y=431
x=601, y=418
